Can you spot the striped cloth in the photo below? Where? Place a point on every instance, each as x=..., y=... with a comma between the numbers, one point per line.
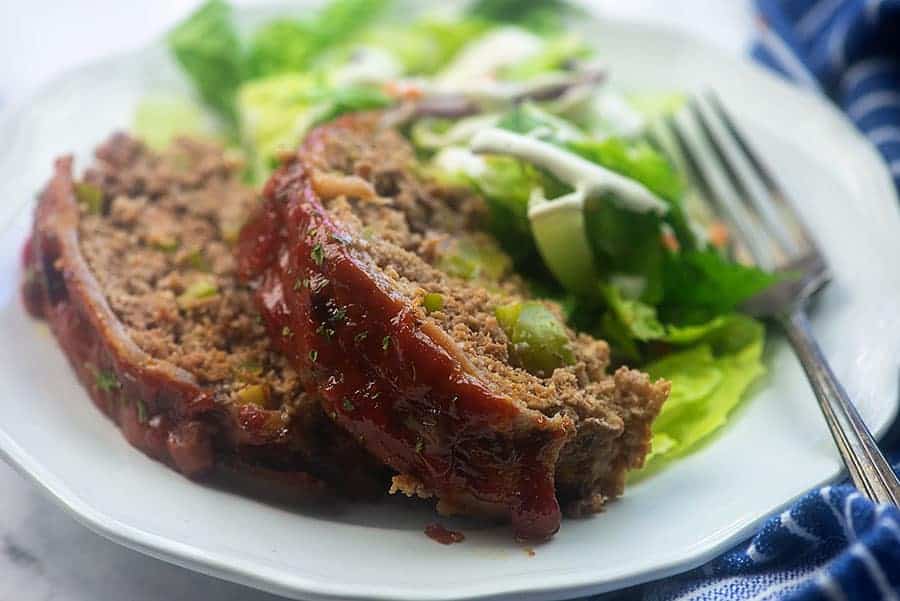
x=848, y=49
x=833, y=544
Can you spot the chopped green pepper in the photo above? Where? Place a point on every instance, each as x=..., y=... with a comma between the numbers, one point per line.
x=433, y=301
x=198, y=293
x=164, y=242
x=254, y=394
x=475, y=257
x=106, y=380
x=197, y=260
x=317, y=254
x=538, y=341
x=90, y=197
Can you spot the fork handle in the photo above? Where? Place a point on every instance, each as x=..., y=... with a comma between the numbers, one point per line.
x=869, y=470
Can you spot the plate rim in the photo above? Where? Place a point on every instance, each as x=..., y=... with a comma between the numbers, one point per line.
x=561, y=585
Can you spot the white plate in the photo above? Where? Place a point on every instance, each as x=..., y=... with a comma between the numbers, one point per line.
x=774, y=448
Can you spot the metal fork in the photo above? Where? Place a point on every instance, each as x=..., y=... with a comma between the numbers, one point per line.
x=768, y=232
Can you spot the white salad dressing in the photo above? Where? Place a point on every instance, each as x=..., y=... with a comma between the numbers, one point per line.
x=588, y=179
x=460, y=133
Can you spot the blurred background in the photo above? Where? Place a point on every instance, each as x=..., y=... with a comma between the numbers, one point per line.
x=41, y=38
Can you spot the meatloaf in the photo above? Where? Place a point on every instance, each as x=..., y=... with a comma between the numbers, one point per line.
x=343, y=255
x=132, y=267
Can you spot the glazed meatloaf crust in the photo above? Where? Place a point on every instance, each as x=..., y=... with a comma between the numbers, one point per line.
x=132, y=267
x=342, y=254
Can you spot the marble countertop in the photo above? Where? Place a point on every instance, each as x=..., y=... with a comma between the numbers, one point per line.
x=44, y=553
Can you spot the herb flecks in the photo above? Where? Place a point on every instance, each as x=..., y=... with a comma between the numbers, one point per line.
x=317, y=254
x=141, y=411
x=348, y=405
x=361, y=336
x=386, y=342
x=106, y=380
x=287, y=332
x=313, y=356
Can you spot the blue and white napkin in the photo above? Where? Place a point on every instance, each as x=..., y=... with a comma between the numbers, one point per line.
x=850, y=49
x=833, y=544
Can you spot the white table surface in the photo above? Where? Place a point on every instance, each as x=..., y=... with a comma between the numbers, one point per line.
x=44, y=553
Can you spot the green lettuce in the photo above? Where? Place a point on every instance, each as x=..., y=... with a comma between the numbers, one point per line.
x=207, y=47
x=636, y=160
x=426, y=46
x=280, y=46
x=638, y=319
x=702, y=284
x=538, y=15
x=276, y=111
x=556, y=53
x=159, y=119
x=506, y=185
x=708, y=381
x=292, y=46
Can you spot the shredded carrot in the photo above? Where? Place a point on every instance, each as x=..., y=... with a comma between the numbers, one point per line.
x=718, y=234
x=670, y=241
x=403, y=90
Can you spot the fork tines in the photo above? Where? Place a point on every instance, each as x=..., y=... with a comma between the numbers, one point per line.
x=741, y=189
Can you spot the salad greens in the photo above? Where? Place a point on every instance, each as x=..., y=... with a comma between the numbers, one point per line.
x=207, y=47
x=582, y=202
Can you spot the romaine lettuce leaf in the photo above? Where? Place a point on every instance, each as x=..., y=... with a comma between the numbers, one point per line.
x=637, y=160
x=158, y=119
x=280, y=46
x=276, y=111
x=639, y=319
x=702, y=284
x=556, y=53
x=207, y=47
x=627, y=243
x=426, y=46
x=506, y=185
x=708, y=382
x=529, y=119
x=291, y=46
x=538, y=15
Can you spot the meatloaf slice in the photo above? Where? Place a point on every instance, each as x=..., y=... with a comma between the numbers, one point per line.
x=347, y=246
x=133, y=269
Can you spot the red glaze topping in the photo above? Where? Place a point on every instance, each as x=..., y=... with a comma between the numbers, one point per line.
x=161, y=410
x=439, y=534
x=336, y=316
